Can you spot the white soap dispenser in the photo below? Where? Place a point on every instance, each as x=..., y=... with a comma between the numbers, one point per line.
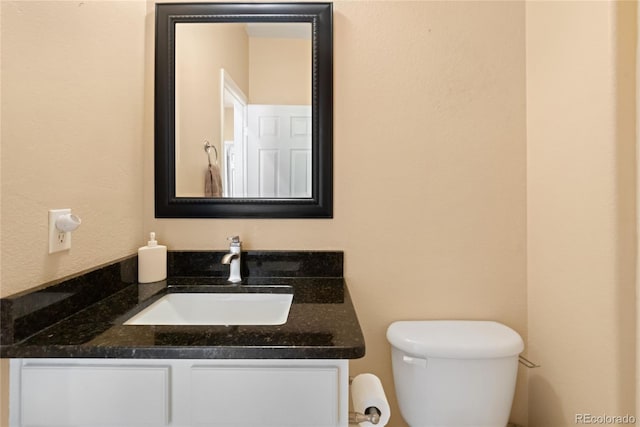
x=152, y=261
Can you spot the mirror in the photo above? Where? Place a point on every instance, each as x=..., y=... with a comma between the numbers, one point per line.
x=243, y=110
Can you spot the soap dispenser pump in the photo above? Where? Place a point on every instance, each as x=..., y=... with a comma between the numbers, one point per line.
x=152, y=261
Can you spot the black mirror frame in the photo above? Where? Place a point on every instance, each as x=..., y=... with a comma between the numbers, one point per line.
x=320, y=205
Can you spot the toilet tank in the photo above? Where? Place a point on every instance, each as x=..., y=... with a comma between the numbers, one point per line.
x=454, y=372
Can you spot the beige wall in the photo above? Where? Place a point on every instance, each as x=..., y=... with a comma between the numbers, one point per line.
x=4, y=363
x=279, y=71
x=580, y=186
x=201, y=52
x=72, y=130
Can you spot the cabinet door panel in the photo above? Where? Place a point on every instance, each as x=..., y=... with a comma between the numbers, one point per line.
x=265, y=396
x=113, y=396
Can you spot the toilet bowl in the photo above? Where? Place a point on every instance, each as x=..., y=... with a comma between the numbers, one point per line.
x=454, y=373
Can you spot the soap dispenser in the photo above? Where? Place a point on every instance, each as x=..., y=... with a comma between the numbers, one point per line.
x=152, y=261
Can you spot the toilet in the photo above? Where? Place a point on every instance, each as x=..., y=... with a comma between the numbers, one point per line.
x=454, y=373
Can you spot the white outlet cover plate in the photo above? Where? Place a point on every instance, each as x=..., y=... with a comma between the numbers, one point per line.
x=58, y=241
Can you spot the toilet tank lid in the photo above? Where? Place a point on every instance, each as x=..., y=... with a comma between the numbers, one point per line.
x=459, y=339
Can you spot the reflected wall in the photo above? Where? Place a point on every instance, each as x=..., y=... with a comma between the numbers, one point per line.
x=269, y=67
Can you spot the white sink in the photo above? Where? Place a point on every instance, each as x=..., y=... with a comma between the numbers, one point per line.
x=216, y=309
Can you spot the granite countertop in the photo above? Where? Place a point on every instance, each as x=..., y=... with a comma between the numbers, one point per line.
x=83, y=316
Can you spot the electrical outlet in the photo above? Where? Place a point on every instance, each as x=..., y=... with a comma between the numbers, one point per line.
x=58, y=240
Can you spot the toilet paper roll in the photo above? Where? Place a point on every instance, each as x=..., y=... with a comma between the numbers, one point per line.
x=366, y=392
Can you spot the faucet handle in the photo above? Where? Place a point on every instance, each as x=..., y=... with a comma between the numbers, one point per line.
x=235, y=240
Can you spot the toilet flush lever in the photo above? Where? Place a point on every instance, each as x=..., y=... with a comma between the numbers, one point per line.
x=526, y=362
x=418, y=361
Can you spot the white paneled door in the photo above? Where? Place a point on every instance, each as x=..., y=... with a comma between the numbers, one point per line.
x=279, y=151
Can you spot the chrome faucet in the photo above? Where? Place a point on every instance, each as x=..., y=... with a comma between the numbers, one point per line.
x=233, y=259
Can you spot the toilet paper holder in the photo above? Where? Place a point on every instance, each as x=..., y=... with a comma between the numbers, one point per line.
x=371, y=414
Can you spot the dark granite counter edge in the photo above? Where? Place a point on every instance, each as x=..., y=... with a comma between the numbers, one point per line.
x=355, y=352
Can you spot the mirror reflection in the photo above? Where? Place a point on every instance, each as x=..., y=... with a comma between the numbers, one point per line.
x=243, y=94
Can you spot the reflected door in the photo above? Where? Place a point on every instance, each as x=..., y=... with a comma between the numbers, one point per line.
x=279, y=151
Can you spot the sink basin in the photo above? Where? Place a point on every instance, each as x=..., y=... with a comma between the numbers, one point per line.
x=216, y=309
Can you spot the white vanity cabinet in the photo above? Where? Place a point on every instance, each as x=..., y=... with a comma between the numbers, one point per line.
x=185, y=393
